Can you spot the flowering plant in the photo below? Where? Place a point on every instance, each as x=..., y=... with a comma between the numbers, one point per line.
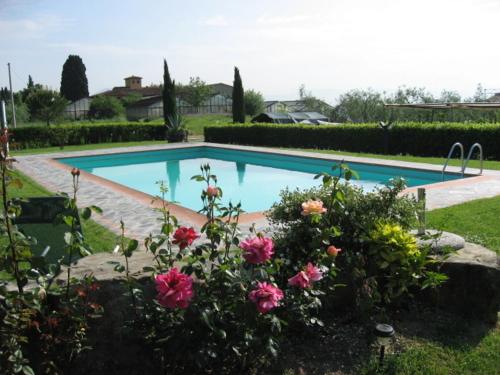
x=219, y=292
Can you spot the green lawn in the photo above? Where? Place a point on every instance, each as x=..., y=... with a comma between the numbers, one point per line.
x=431, y=356
x=100, y=238
x=477, y=221
x=488, y=164
x=99, y=146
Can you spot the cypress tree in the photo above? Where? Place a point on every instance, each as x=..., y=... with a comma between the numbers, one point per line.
x=74, y=84
x=238, y=98
x=31, y=84
x=168, y=96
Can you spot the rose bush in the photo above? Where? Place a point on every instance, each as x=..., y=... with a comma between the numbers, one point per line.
x=365, y=233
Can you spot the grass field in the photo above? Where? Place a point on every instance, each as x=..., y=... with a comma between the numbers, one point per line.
x=477, y=221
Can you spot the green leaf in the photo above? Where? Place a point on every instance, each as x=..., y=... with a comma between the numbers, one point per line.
x=132, y=245
x=86, y=213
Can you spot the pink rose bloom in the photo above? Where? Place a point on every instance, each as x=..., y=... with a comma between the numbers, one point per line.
x=304, y=279
x=300, y=280
x=174, y=288
x=266, y=296
x=212, y=191
x=312, y=207
x=184, y=237
x=313, y=272
x=257, y=250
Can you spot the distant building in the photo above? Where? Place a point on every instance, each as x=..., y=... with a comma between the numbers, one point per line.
x=77, y=110
x=152, y=107
x=495, y=98
x=273, y=106
x=291, y=118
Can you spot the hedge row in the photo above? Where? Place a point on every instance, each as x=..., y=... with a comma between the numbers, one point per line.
x=418, y=139
x=47, y=136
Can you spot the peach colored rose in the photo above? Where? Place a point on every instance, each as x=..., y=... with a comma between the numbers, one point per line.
x=313, y=207
x=333, y=251
x=212, y=191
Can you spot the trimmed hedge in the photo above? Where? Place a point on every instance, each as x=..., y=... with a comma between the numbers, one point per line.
x=418, y=139
x=47, y=136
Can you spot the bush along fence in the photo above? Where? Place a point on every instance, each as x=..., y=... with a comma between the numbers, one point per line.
x=38, y=136
x=418, y=139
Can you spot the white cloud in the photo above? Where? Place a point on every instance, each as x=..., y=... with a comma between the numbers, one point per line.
x=216, y=21
x=280, y=20
x=32, y=28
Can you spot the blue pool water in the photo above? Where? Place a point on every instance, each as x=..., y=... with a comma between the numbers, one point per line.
x=253, y=178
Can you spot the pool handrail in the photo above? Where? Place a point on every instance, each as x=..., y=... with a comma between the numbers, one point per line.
x=475, y=145
x=461, y=147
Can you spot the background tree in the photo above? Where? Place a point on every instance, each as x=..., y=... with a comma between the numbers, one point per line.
x=31, y=84
x=254, y=102
x=168, y=97
x=45, y=105
x=74, y=84
x=195, y=93
x=238, y=98
x=105, y=107
x=314, y=104
x=130, y=99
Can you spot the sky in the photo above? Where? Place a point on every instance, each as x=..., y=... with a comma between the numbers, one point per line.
x=330, y=46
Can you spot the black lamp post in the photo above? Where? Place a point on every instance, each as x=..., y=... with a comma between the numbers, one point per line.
x=384, y=334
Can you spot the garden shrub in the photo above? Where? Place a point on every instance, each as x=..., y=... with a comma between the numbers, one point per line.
x=37, y=136
x=419, y=139
x=368, y=232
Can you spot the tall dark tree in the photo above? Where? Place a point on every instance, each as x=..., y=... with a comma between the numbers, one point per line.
x=31, y=84
x=238, y=98
x=74, y=84
x=168, y=96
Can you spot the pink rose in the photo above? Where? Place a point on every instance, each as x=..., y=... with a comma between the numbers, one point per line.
x=312, y=207
x=174, y=288
x=212, y=191
x=301, y=280
x=313, y=272
x=304, y=279
x=257, y=250
x=184, y=237
x=266, y=297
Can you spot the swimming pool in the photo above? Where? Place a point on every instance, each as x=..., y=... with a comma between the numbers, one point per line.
x=254, y=178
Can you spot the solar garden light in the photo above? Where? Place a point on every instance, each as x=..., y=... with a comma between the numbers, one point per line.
x=384, y=334
x=421, y=211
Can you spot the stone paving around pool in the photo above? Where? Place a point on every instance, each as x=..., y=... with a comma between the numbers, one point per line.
x=140, y=217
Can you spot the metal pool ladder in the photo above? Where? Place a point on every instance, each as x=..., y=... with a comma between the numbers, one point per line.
x=480, y=148
x=464, y=162
x=461, y=147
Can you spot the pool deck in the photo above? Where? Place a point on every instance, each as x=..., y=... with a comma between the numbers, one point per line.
x=137, y=210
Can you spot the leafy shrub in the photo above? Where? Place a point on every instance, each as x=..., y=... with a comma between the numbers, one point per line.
x=37, y=136
x=105, y=107
x=419, y=139
x=378, y=261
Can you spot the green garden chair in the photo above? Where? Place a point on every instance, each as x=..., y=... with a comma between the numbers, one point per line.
x=40, y=218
